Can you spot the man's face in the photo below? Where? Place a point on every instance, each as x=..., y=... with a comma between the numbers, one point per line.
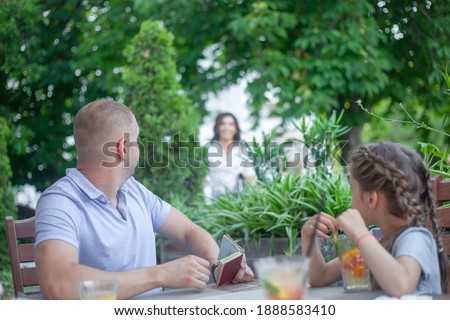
x=132, y=152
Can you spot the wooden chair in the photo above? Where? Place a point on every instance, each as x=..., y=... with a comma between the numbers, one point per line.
x=20, y=237
x=441, y=191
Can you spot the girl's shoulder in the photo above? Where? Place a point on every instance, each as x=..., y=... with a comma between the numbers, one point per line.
x=416, y=234
x=416, y=230
x=408, y=232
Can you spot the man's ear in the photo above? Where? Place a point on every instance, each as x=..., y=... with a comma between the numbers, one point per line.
x=120, y=149
x=372, y=199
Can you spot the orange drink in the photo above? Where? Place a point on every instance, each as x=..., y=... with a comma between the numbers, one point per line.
x=355, y=273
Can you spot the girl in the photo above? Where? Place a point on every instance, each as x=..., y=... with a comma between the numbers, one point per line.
x=390, y=188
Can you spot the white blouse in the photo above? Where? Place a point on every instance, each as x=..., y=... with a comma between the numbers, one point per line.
x=227, y=170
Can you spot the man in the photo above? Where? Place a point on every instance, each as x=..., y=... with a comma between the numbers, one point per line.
x=98, y=222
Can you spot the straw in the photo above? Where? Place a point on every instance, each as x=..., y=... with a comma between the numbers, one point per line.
x=313, y=235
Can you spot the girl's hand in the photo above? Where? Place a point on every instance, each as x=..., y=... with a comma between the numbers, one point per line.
x=351, y=222
x=326, y=224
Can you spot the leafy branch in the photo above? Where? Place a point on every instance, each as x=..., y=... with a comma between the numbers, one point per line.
x=412, y=121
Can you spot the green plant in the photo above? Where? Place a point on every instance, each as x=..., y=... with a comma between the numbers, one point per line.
x=446, y=77
x=7, y=282
x=411, y=121
x=56, y=56
x=278, y=208
x=280, y=203
x=7, y=206
x=310, y=55
x=320, y=136
x=267, y=157
x=171, y=159
x=436, y=159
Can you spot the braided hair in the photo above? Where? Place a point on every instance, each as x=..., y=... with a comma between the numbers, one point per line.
x=403, y=178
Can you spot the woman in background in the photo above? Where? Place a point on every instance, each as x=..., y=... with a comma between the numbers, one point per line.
x=229, y=167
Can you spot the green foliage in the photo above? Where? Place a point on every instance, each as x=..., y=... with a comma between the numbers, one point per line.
x=266, y=157
x=278, y=208
x=7, y=206
x=436, y=160
x=378, y=130
x=171, y=158
x=321, y=136
x=418, y=41
x=7, y=282
x=56, y=56
x=280, y=203
x=447, y=80
x=410, y=120
x=313, y=55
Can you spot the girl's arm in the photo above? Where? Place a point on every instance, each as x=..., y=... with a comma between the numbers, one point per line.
x=396, y=276
x=321, y=273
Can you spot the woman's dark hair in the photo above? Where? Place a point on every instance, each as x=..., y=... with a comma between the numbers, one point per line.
x=219, y=118
x=401, y=175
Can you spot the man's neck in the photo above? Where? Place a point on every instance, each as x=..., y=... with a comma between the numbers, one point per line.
x=104, y=180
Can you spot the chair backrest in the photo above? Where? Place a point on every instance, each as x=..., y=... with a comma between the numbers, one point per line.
x=20, y=236
x=441, y=191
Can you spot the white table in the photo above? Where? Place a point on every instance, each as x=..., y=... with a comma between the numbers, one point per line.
x=254, y=291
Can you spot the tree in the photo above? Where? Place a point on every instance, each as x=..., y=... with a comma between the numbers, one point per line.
x=171, y=159
x=418, y=39
x=7, y=206
x=52, y=63
x=310, y=55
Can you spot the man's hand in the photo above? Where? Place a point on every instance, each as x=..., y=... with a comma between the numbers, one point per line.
x=186, y=272
x=245, y=273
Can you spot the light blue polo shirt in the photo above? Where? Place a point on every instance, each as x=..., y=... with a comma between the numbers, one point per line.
x=75, y=211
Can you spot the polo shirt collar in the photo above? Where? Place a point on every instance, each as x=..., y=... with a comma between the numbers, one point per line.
x=83, y=183
x=86, y=186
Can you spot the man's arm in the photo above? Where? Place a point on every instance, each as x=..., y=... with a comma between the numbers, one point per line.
x=59, y=272
x=179, y=228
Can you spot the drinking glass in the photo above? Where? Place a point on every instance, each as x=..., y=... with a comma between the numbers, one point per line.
x=355, y=273
x=98, y=289
x=283, y=277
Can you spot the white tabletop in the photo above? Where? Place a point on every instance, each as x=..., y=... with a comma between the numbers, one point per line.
x=254, y=291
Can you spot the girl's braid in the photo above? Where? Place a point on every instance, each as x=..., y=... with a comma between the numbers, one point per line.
x=402, y=200
x=402, y=176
